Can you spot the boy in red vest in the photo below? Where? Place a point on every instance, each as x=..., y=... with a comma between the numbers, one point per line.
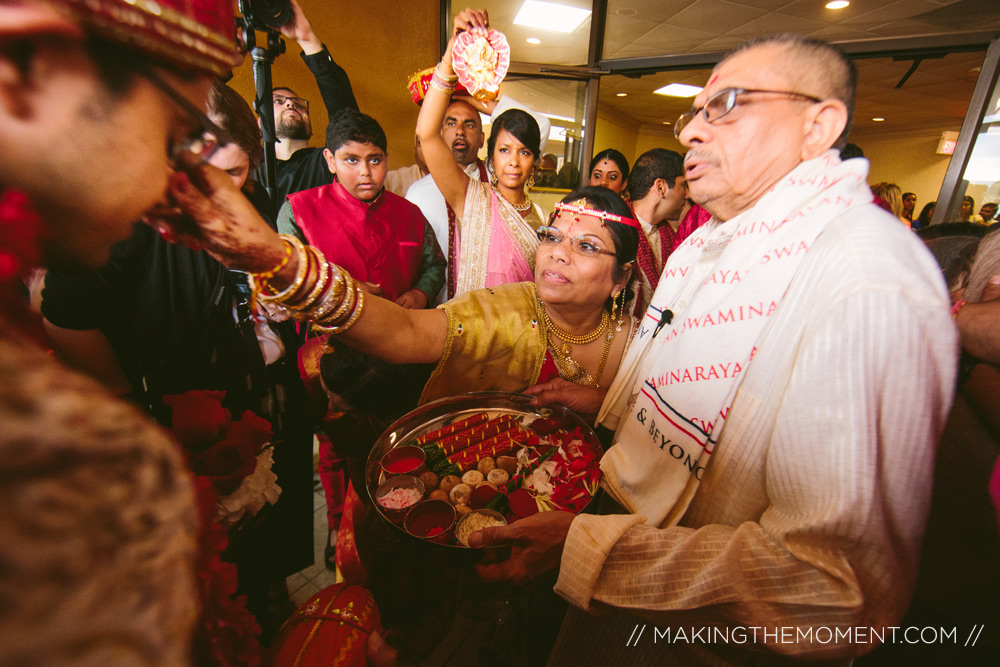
x=379, y=237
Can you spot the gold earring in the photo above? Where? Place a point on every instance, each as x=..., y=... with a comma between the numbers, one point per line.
x=531, y=178
x=621, y=311
x=614, y=305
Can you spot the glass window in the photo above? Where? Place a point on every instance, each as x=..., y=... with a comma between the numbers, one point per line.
x=560, y=38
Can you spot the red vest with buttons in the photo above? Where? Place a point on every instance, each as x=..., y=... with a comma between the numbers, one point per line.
x=381, y=242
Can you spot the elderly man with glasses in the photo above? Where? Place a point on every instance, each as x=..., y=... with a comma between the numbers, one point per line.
x=776, y=415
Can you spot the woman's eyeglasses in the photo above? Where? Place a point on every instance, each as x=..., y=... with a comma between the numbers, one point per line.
x=551, y=236
x=726, y=100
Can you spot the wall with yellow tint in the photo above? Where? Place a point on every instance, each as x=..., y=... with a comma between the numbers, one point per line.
x=378, y=56
x=630, y=139
x=657, y=139
x=613, y=132
x=910, y=162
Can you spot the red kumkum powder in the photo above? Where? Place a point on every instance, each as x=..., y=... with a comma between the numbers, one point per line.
x=405, y=464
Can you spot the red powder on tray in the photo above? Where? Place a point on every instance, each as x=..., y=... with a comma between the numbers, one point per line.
x=405, y=464
x=428, y=525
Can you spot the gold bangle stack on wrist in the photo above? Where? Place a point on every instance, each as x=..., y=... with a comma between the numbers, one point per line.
x=321, y=292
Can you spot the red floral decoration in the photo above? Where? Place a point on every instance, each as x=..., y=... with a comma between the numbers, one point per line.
x=221, y=452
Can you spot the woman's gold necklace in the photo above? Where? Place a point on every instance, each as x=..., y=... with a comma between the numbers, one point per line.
x=570, y=368
x=520, y=208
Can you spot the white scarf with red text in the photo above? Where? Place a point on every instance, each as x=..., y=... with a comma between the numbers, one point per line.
x=670, y=398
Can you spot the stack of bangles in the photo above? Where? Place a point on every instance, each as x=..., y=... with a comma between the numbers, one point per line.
x=443, y=82
x=321, y=292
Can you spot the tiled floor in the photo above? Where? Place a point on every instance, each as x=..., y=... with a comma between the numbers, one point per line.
x=303, y=585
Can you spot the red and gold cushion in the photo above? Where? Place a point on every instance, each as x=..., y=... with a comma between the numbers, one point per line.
x=330, y=630
x=195, y=35
x=419, y=82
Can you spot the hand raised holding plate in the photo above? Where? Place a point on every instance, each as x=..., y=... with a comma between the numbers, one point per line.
x=470, y=19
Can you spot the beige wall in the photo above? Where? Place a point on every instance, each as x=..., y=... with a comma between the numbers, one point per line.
x=910, y=162
x=379, y=58
x=610, y=132
x=656, y=139
x=631, y=140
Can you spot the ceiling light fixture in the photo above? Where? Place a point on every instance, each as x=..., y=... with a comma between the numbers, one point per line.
x=837, y=4
x=621, y=94
x=550, y=16
x=678, y=90
x=878, y=120
x=533, y=40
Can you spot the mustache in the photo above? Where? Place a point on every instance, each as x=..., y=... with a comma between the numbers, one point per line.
x=699, y=155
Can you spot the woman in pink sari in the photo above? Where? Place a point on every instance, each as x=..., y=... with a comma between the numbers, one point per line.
x=495, y=238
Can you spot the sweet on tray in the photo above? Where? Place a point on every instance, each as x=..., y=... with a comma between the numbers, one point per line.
x=490, y=467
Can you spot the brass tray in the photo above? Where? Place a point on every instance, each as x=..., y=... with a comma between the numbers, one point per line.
x=444, y=411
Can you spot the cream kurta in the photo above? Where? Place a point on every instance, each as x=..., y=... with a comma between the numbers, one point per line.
x=812, y=509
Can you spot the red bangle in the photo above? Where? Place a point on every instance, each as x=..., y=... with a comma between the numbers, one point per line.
x=957, y=307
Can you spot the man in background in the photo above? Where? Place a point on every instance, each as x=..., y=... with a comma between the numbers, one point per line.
x=656, y=187
x=462, y=130
x=300, y=166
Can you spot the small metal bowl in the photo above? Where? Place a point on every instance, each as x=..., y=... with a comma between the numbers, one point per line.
x=431, y=520
x=467, y=521
x=406, y=482
x=406, y=460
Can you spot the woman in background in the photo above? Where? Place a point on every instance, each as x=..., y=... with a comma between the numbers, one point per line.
x=495, y=231
x=610, y=169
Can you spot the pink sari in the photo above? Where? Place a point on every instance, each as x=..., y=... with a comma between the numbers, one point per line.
x=495, y=244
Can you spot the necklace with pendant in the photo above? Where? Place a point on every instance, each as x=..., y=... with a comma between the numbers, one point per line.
x=570, y=368
x=520, y=208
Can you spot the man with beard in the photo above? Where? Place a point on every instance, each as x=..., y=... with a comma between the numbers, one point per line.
x=300, y=166
x=462, y=130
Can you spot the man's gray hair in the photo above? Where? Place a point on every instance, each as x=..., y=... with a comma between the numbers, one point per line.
x=816, y=67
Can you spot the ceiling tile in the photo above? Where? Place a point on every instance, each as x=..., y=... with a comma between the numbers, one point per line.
x=681, y=40
x=839, y=33
x=628, y=30
x=721, y=44
x=715, y=16
x=775, y=23
x=647, y=10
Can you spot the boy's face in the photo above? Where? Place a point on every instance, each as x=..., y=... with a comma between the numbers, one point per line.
x=360, y=168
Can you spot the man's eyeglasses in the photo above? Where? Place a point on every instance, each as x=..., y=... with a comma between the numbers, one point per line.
x=552, y=236
x=726, y=100
x=204, y=140
x=297, y=102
